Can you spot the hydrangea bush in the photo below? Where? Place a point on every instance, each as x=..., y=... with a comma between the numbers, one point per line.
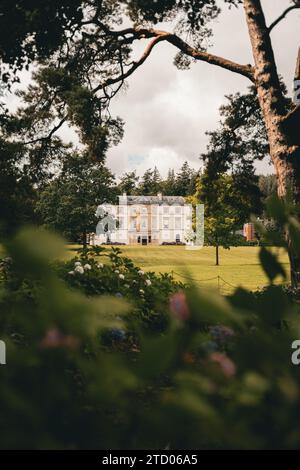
x=99, y=270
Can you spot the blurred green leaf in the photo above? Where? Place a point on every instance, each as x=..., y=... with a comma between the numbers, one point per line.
x=270, y=264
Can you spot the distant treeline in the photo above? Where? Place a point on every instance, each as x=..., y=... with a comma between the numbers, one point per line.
x=181, y=183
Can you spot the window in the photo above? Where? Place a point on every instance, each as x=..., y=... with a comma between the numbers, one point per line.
x=149, y=239
x=166, y=222
x=177, y=210
x=154, y=223
x=166, y=209
x=166, y=235
x=177, y=223
x=177, y=238
x=144, y=223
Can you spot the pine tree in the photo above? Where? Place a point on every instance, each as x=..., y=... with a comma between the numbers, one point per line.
x=128, y=183
x=183, y=180
x=169, y=185
x=156, y=181
x=146, y=184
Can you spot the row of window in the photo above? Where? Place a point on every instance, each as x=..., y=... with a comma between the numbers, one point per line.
x=133, y=210
x=166, y=224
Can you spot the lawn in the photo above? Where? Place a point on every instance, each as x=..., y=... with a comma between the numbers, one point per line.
x=239, y=266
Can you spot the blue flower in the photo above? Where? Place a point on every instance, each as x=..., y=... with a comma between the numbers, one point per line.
x=118, y=334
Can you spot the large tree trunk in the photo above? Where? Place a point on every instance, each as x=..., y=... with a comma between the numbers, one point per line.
x=282, y=127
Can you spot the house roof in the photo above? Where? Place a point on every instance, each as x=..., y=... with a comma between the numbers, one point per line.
x=160, y=200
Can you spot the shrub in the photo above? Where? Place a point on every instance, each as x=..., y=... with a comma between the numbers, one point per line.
x=98, y=271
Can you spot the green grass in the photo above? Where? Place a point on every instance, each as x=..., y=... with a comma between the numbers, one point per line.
x=239, y=266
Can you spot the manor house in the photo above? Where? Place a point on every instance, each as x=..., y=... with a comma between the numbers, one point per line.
x=145, y=220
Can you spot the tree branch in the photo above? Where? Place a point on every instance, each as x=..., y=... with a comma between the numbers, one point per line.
x=47, y=137
x=245, y=70
x=135, y=65
x=159, y=36
x=282, y=16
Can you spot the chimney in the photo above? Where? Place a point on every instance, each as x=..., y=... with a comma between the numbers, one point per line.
x=123, y=200
x=159, y=195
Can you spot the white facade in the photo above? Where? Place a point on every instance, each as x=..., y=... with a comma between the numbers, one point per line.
x=145, y=220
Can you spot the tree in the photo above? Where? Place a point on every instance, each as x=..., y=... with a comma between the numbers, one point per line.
x=150, y=183
x=169, y=184
x=268, y=185
x=221, y=220
x=241, y=139
x=226, y=207
x=128, y=183
x=69, y=203
x=185, y=180
x=100, y=56
x=32, y=31
x=145, y=186
x=17, y=192
x=156, y=181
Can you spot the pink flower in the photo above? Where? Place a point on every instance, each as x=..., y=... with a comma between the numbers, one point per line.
x=56, y=339
x=226, y=364
x=178, y=306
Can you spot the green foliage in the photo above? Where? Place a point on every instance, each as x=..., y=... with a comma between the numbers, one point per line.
x=98, y=271
x=270, y=264
x=183, y=183
x=17, y=194
x=60, y=94
x=241, y=138
x=218, y=365
x=150, y=182
x=282, y=230
x=281, y=214
x=31, y=30
x=68, y=204
x=268, y=186
x=224, y=209
x=51, y=390
x=128, y=183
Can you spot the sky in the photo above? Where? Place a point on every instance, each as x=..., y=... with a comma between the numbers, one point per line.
x=168, y=111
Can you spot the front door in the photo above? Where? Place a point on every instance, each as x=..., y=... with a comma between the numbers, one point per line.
x=144, y=240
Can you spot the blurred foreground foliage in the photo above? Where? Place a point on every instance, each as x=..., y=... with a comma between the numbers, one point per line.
x=217, y=374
